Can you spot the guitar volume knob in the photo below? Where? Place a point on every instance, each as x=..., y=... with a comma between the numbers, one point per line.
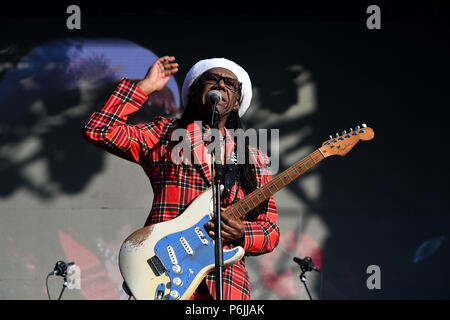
x=177, y=269
x=174, y=294
x=177, y=281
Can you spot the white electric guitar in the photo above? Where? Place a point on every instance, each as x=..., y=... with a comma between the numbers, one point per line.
x=168, y=260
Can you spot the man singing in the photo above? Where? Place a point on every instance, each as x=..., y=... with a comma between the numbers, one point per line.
x=176, y=184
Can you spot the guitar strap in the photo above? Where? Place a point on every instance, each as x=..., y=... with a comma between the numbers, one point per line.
x=230, y=173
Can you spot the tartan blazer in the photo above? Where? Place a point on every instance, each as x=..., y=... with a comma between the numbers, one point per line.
x=175, y=185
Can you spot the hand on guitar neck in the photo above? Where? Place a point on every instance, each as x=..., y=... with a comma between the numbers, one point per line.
x=232, y=230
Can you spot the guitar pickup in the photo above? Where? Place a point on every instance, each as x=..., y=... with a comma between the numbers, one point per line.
x=156, y=265
x=201, y=236
x=186, y=246
x=172, y=256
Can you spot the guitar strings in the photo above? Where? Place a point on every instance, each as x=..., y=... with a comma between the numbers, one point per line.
x=274, y=182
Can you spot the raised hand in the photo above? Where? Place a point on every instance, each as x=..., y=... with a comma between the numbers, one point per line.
x=158, y=74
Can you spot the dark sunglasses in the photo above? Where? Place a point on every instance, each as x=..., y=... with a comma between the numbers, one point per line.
x=231, y=84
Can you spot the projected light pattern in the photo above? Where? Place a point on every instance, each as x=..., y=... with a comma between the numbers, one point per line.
x=45, y=99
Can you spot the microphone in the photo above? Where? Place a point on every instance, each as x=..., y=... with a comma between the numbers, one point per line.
x=214, y=97
x=61, y=268
x=306, y=264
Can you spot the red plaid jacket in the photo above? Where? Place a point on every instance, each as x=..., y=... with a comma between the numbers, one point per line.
x=176, y=185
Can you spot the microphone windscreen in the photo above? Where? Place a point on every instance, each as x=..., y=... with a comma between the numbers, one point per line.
x=214, y=96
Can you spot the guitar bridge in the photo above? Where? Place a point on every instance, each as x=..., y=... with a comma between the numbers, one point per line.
x=156, y=265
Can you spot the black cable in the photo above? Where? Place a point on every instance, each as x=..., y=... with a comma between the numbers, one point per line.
x=46, y=285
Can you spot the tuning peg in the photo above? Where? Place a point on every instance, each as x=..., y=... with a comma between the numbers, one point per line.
x=364, y=125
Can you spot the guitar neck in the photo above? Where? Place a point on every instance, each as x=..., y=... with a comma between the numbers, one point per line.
x=251, y=201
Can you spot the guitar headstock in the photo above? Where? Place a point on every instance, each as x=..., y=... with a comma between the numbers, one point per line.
x=342, y=144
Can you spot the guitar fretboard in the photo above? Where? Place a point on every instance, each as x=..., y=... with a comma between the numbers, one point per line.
x=251, y=201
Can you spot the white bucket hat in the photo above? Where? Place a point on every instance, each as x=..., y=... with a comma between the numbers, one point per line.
x=204, y=65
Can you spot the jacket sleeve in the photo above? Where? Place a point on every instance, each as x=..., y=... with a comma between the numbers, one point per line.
x=108, y=129
x=262, y=234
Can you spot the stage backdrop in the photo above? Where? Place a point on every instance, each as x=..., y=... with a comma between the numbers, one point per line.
x=385, y=204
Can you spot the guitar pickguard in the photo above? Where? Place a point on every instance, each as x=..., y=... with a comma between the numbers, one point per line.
x=186, y=254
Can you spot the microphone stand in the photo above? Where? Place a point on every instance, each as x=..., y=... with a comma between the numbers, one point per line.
x=306, y=265
x=217, y=182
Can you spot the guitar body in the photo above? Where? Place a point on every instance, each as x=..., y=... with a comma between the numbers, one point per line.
x=168, y=260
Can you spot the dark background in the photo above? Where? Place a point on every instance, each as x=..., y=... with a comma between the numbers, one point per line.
x=388, y=196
